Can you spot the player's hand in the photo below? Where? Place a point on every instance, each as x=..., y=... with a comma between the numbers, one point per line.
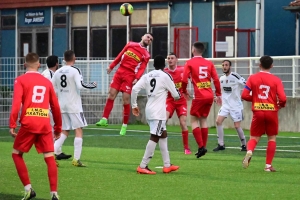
x=187, y=96
x=94, y=84
x=56, y=135
x=134, y=82
x=12, y=132
x=218, y=100
x=108, y=70
x=136, y=111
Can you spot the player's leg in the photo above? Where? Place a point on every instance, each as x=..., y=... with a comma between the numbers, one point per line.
x=181, y=110
x=66, y=126
x=219, y=121
x=237, y=117
x=272, y=132
x=150, y=148
x=197, y=135
x=78, y=122
x=204, y=112
x=23, y=142
x=163, y=145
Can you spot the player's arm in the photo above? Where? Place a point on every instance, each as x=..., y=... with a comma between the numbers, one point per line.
x=216, y=81
x=80, y=84
x=142, y=68
x=141, y=84
x=16, y=104
x=119, y=57
x=55, y=108
x=169, y=83
x=185, y=75
x=281, y=95
x=247, y=90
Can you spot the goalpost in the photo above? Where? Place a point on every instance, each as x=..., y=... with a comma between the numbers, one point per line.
x=183, y=38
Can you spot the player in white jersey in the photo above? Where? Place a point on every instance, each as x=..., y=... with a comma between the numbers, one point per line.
x=157, y=84
x=68, y=82
x=52, y=64
x=231, y=84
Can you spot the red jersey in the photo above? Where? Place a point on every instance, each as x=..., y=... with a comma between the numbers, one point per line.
x=177, y=78
x=35, y=93
x=267, y=92
x=201, y=72
x=134, y=57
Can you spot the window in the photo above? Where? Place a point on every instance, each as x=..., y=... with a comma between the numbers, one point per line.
x=137, y=33
x=59, y=20
x=80, y=42
x=160, y=41
x=225, y=13
x=98, y=44
x=118, y=40
x=8, y=22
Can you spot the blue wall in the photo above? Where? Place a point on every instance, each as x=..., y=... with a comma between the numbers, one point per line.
x=59, y=41
x=180, y=13
x=8, y=43
x=202, y=13
x=279, y=37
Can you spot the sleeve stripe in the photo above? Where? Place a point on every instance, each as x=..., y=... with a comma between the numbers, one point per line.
x=168, y=75
x=77, y=69
x=246, y=87
x=236, y=76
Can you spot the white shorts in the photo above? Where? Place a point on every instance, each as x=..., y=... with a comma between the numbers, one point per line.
x=157, y=126
x=235, y=114
x=71, y=121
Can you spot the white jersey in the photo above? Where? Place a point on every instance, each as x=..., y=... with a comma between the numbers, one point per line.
x=68, y=82
x=48, y=74
x=231, y=90
x=157, y=83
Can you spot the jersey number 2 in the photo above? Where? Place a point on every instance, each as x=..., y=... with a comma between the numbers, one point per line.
x=38, y=94
x=265, y=91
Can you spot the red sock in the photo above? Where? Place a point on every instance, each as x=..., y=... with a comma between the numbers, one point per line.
x=204, y=132
x=52, y=172
x=251, y=144
x=185, y=139
x=126, y=113
x=21, y=168
x=198, y=137
x=108, y=107
x=270, y=152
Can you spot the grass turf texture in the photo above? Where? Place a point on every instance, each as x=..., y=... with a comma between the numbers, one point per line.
x=112, y=161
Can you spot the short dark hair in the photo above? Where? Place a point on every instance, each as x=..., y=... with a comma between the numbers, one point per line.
x=199, y=46
x=227, y=61
x=149, y=33
x=172, y=54
x=68, y=55
x=266, y=62
x=32, y=58
x=159, y=62
x=52, y=61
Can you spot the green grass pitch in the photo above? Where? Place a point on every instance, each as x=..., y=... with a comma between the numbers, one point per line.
x=112, y=160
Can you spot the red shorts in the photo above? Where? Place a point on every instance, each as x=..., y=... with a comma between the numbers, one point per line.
x=24, y=141
x=201, y=107
x=122, y=81
x=180, y=106
x=264, y=122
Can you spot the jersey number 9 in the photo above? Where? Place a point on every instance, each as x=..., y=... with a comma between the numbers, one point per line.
x=152, y=84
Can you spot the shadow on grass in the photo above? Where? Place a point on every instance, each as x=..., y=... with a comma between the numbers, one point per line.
x=14, y=197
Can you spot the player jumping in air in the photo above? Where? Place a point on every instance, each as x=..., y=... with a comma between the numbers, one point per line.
x=133, y=61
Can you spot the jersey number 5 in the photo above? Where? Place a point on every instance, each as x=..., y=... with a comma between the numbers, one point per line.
x=38, y=94
x=265, y=92
x=202, y=72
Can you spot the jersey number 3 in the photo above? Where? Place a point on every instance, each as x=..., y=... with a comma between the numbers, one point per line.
x=265, y=91
x=38, y=94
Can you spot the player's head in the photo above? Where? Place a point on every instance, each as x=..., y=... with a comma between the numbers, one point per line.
x=159, y=62
x=198, y=49
x=147, y=39
x=52, y=62
x=266, y=62
x=69, y=57
x=226, y=65
x=32, y=61
x=172, y=60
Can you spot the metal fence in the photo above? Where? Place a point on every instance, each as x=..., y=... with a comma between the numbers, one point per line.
x=287, y=68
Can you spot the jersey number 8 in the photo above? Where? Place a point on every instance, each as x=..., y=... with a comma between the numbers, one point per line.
x=63, y=82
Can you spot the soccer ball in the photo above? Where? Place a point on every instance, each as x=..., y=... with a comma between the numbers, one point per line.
x=126, y=9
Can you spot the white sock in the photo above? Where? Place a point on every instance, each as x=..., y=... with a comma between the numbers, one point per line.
x=52, y=193
x=27, y=187
x=220, y=132
x=58, y=143
x=125, y=125
x=268, y=165
x=163, y=145
x=77, y=147
x=241, y=135
x=59, y=151
x=149, y=152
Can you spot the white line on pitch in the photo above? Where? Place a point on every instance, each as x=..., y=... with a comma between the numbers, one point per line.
x=282, y=150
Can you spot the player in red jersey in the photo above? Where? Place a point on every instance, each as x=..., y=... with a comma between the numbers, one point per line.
x=267, y=98
x=35, y=93
x=201, y=72
x=179, y=105
x=133, y=61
